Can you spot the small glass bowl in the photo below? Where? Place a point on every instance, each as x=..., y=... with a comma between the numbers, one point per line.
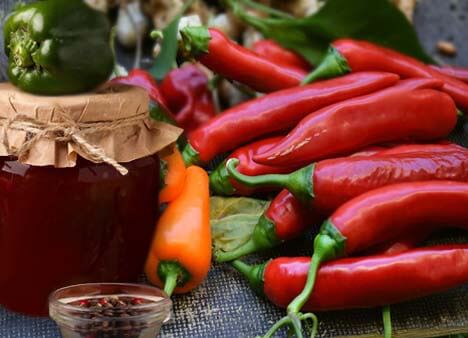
x=109, y=310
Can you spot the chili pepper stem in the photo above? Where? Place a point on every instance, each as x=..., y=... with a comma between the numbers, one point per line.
x=195, y=41
x=220, y=182
x=245, y=249
x=387, y=321
x=170, y=283
x=328, y=244
x=298, y=302
x=299, y=183
x=332, y=65
x=253, y=273
x=264, y=237
x=173, y=275
x=190, y=155
x=295, y=322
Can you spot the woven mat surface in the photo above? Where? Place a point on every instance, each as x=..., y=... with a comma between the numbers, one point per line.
x=224, y=306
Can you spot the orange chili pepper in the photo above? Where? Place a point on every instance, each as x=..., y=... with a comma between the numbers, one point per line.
x=180, y=255
x=172, y=174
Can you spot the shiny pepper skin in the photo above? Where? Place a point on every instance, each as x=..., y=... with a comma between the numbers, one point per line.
x=188, y=97
x=368, y=281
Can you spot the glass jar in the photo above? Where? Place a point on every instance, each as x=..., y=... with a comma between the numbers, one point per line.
x=63, y=226
x=109, y=310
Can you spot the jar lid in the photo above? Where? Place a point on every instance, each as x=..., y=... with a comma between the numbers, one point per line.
x=110, y=125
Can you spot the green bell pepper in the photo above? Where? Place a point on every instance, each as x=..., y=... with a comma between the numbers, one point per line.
x=58, y=47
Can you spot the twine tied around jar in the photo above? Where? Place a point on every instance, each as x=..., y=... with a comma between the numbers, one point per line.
x=67, y=130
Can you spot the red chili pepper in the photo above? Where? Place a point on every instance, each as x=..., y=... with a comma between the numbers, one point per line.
x=381, y=215
x=328, y=184
x=222, y=184
x=274, y=52
x=362, y=282
x=274, y=112
x=459, y=73
x=405, y=243
x=188, y=97
x=143, y=79
x=392, y=114
x=285, y=218
x=443, y=147
x=348, y=55
x=225, y=57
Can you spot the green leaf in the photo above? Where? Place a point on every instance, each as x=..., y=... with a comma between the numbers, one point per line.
x=233, y=220
x=166, y=58
x=377, y=21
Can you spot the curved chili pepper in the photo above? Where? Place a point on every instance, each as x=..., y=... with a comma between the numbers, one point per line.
x=382, y=215
x=223, y=56
x=274, y=52
x=222, y=184
x=277, y=111
x=391, y=114
x=188, y=97
x=370, y=281
x=328, y=184
x=180, y=255
x=285, y=218
x=143, y=79
x=172, y=174
x=459, y=73
x=348, y=55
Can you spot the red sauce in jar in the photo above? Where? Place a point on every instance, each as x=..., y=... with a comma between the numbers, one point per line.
x=72, y=225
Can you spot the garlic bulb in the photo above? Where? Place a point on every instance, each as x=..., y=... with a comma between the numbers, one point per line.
x=131, y=24
x=100, y=5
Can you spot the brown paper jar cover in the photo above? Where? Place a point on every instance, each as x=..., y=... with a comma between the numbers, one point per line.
x=111, y=124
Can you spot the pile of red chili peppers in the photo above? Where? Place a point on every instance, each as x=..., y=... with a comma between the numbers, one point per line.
x=361, y=150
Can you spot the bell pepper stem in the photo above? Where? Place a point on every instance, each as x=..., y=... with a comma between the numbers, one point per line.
x=173, y=275
x=387, y=321
x=170, y=283
x=332, y=65
x=299, y=183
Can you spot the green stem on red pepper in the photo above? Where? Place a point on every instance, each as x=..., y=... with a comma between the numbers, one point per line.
x=346, y=55
x=365, y=220
x=278, y=111
x=387, y=321
x=263, y=237
x=299, y=183
x=333, y=65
